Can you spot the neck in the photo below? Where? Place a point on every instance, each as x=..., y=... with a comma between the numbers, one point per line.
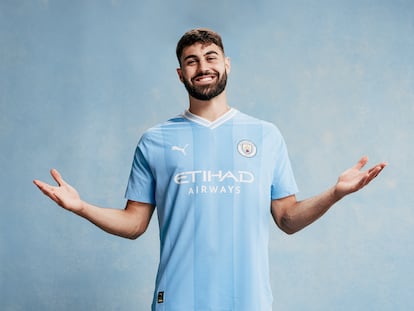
x=210, y=109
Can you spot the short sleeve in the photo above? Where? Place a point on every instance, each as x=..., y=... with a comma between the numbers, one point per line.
x=141, y=183
x=283, y=183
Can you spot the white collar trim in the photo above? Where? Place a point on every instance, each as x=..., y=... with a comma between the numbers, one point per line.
x=210, y=124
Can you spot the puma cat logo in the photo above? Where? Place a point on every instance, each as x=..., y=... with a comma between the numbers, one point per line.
x=179, y=149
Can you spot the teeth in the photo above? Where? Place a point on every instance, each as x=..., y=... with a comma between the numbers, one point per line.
x=205, y=79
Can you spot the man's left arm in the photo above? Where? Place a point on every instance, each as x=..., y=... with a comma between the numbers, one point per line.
x=291, y=215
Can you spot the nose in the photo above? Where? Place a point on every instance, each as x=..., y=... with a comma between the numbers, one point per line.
x=202, y=66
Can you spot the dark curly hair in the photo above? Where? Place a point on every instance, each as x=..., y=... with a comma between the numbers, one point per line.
x=199, y=35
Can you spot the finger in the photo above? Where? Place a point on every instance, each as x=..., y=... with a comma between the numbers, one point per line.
x=374, y=172
x=371, y=174
x=57, y=177
x=379, y=165
x=361, y=163
x=41, y=185
x=46, y=189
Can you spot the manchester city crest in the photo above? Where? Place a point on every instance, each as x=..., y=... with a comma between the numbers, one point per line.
x=247, y=148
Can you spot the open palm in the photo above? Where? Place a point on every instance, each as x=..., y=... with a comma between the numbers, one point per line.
x=63, y=194
x=353, y=179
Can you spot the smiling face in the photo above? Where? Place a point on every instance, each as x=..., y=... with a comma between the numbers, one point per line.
x=204, y=70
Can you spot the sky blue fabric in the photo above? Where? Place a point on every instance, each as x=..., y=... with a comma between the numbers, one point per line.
x=212, y=183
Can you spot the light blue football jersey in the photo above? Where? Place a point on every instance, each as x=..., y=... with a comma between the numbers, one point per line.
x=212, y=183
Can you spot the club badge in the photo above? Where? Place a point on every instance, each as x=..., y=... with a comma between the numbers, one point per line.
x=247, y=148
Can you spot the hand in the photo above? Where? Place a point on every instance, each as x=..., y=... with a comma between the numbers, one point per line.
x=354, y=179
x=63, y=194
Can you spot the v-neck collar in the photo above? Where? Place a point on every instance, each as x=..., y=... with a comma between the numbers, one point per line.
x=210, y=124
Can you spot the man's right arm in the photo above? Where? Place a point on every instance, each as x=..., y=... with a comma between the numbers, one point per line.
x=130, y=222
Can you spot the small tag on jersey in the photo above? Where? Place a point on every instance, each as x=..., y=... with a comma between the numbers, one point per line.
x=160, y=297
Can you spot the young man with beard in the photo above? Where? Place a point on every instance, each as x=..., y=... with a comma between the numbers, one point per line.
x=215, y=176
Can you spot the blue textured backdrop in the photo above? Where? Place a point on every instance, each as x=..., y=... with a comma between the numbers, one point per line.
x=81, y=80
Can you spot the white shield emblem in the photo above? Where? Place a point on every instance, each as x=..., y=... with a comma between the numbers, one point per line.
x=247, y=149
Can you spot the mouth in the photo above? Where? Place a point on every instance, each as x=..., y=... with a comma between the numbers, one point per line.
x=204, y=79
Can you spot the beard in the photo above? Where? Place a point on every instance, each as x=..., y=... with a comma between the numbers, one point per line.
x=206, y=92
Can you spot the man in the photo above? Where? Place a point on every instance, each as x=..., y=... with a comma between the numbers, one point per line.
x=215, y=176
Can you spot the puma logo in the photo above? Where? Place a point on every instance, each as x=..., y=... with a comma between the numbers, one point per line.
x=179, y=149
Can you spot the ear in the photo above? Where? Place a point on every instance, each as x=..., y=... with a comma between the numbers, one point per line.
x=180, y=74
x=227, y=64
